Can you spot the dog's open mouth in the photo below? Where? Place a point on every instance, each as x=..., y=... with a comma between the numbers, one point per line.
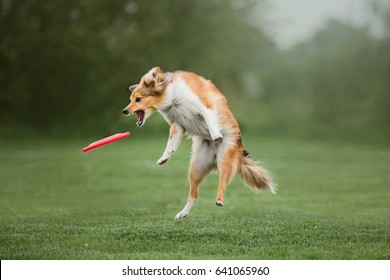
x=140, y=117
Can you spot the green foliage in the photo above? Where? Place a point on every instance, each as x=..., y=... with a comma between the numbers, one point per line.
x=65, y=65
x=116, y=203
x=341, y=73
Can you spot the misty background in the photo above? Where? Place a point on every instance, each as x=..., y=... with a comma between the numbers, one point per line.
x=286, y=67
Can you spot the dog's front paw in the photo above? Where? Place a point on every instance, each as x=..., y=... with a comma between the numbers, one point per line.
x=219, y=202
x=163, y=160
x=181, y=215
x=217, y=138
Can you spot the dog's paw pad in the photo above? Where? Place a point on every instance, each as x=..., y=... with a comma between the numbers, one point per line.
x=180, y=215
x=161, y=161
x=218, y=138
x=219, y=203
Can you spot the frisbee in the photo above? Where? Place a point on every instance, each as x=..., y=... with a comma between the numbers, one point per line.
x=106, y=141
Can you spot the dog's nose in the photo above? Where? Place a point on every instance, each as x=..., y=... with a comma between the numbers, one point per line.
x=126, y=112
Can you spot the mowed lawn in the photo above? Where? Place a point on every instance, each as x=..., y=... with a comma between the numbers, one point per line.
x=333, y=202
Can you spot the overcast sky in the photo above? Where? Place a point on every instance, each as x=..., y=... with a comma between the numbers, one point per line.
x=295, y=20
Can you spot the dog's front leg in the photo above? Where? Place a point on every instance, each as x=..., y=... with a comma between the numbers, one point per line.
x=175, y=134
x=212, y=122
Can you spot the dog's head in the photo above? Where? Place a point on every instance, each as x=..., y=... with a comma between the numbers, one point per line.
x=147, y=95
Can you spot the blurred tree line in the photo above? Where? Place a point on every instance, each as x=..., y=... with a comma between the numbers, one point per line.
x=66, y=65
x=339, y=78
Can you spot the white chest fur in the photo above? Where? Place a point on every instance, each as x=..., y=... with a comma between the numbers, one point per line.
x=183, y=107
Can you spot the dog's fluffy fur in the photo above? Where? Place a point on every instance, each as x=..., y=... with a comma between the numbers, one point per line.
x=193, y=105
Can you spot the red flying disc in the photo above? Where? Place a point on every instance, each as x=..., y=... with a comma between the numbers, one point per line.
x=106, y=141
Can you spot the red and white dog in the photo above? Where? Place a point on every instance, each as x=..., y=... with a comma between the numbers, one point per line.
x=193, y=105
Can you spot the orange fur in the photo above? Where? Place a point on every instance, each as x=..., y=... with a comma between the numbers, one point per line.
x=201, y=88
x=194, y=105
x=172, y=132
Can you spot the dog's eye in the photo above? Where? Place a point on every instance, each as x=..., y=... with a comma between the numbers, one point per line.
x=138, y=99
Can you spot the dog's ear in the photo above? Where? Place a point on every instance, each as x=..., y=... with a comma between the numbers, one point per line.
x=131, y=88
x=155, y=71
x=154, y=78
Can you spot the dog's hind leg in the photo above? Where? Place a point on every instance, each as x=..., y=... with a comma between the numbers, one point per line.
x=202, y=162
x=195, y=178
x=227, y=168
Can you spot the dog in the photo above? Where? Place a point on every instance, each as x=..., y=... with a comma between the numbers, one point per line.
x=194, y=106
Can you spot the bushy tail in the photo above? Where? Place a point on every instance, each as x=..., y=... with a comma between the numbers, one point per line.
x=256, y=177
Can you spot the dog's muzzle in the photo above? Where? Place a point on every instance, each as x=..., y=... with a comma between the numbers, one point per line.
x=126, y=112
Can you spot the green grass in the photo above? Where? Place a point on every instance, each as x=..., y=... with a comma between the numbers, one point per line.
x=333, y=202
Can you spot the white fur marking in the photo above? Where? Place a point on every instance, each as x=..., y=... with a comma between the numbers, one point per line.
x=186, y=209
x=172, y=145
x=212, y=121
x=183, y=106
x=203, y=153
